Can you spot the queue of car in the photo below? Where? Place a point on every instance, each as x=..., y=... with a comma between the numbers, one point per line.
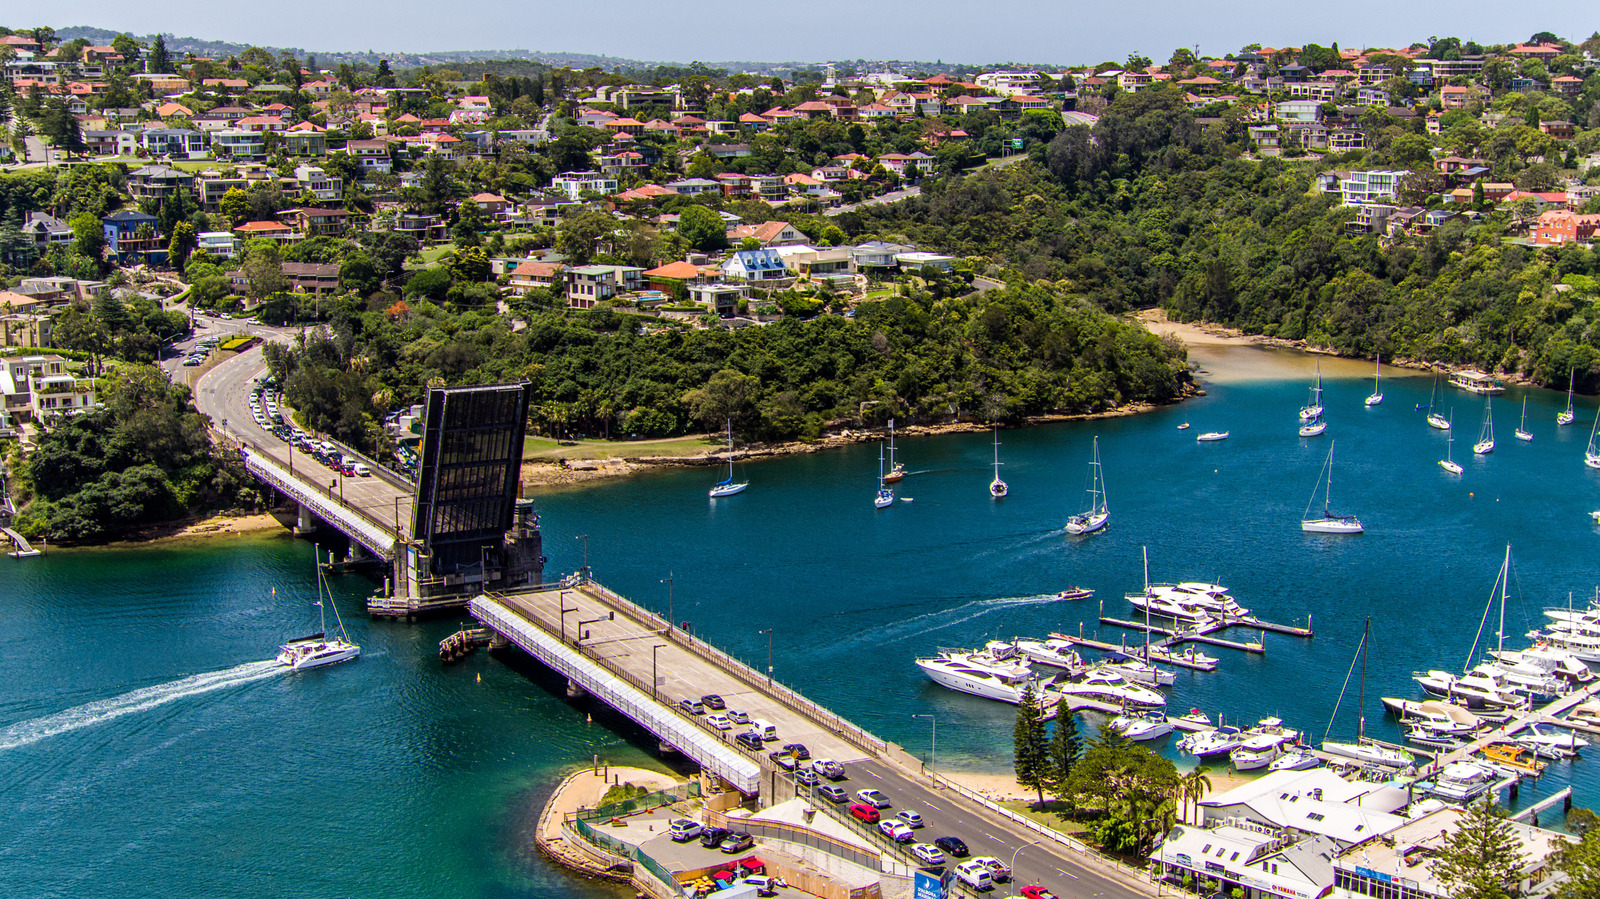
x=264, y=406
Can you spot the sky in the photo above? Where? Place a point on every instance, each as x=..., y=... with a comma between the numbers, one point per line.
x=989, y=31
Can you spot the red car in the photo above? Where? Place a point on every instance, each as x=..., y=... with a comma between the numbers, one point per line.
x=867, y=813
x=1037, y=892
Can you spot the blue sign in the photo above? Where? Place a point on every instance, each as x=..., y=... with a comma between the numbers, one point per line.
x=926, y=885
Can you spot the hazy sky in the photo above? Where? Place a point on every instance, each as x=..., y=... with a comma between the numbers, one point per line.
x=949, y=30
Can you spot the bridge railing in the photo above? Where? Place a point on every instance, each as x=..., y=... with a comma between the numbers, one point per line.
x=370, y=532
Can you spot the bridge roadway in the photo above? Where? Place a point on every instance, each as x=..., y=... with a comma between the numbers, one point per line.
x=618, y=659
x=367, y=504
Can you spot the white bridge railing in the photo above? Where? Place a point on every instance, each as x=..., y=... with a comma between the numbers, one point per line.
x=353, y=522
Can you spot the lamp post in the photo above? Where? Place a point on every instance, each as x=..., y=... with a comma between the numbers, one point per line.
x=655, y=681
x=585, y=539
x=768, y=632
x=564, y=611
x=933, y=746
x=671, y=619
x=1014, y=857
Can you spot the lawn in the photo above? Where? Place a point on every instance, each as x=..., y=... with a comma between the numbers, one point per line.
x=1046, y=817
x=543, y=448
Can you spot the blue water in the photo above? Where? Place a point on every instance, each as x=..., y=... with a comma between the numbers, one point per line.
x=399, y=776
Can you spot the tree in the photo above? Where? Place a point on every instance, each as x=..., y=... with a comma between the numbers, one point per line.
x=1480, y=859
x=182, y=244
x=88, y=236
x=579, y=234
x=702, y=228
x=728, y=395
x=1192, y=787
x=263, y=268
x=1580, y=861
x=235, y=206
x=1030, y=752
x=1066, y=747
x=160, y=59
x=469, y=226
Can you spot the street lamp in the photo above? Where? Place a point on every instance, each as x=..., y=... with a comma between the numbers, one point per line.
x=671, y=619
x=564, y=611
x=1014, y=857
x=655, y=681
x=585, y=539
x=933, y=750
x=768, y=632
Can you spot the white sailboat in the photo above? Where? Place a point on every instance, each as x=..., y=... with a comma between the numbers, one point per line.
x=1313, y=409
x=1447, y=463
x=1485, y=444
x=885, y=497
x=727, y=487
x=1591, y=456
x=318, y=650
x=1377, y=386
x=1522, y=429
x=1435, y=420
x=1313, y=427
x=1361, y=750
x=997, y=487
x=1567, y=417
x=1327, y=522
x=1099, y=512
x=896, y=469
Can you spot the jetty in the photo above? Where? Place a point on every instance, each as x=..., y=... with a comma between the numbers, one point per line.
x=1206, y=633
x=19, y=545
x=1548, y=713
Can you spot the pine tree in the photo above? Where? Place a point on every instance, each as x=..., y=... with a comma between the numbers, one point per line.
x=160, y=59
x=1479, y=859
x=1032, y=752
x=1066, y=747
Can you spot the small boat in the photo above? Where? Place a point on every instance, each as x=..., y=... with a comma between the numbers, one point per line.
x=1485, y=444
x=1447, y=463
x=1140, y=672
x=1257, y=752
x=727, y=487
x=1313, y=409
x=1435, y=420
x=1313, y=427
x=1099, y=511
x=885, y=497
x=1189, y=656
x=318, y=649
x=1327, y=523
x=1517, y=758
x=1377, y=377
x=1209, y=743
x=1197, y=717
x=1184, y=426
x=1212, y=436
x=1296, y=760
x=1567, y=417
x=896, y=469
x=1550, y=744
x=1522, y=429
x=1055, y=653
x=1591, y=456
x=997, y=487
x=1075, y=592
x=1149, y=726
x=1464, y=781
x=1587, y=714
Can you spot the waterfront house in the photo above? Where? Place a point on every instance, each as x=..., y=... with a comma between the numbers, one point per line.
x=158, y=182
x=39, y=385
x=533, y=275
x=759, y=266
x=316, y=222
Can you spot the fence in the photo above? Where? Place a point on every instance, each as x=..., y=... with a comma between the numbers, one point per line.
x=802, y=836
x=647, y=802
x=641, y=860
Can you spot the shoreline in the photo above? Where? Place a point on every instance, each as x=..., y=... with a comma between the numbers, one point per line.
x=222, y=524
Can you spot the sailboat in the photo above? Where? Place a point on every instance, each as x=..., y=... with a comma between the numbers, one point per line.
x=1099, y=512
x=1361, y=750
x=1567, y=417
x=1522, y=429
x=896, y=470
x=1313, y=427
x=1447, y=463
x=1435, y=420
x=885, y=497
x=1314, y=408
x=1377, y=386
x=318, y=650
x=1328, y=523
x=1485, y=444
x=727, y=487
x=1591, y=456
x=997, y=487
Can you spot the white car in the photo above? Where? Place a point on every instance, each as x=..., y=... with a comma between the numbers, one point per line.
x=911, y=819
x=873, y=798
x=928, y=855
x=720, y=722
x=896, y=830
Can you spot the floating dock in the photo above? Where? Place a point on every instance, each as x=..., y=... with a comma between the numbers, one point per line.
x=19, y=546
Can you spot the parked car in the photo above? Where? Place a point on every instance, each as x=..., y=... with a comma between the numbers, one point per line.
x=1036, y=891
x=738, y=717
x=874, y=798
x=783, y=760
x=911, y=819
x=762, y=883
x=864, y=813
x=952, y=845
x=720, y=722
x=713, y=701
x=997, y=868
x=749, y=741
x=928, y=855
x=737, y=842
x=712, y=837
x=692, y=706
x=798, y=750
x=683, y=830
x=896, y=830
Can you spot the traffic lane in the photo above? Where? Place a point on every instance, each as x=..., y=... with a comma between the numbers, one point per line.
x=1048, y=864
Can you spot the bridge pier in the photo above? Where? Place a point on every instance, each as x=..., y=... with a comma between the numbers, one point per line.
x=574, y=690
x=358, y=553
x=304, y=522
x=498, y=640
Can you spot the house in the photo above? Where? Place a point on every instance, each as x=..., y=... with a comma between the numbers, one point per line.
x=176, y=143
x=587, y=285
x=531, y=275
x=917, y=261
x=312, y=277
x=373, y=155
x=40, y=385
x=173, y=110
x=755, y=265
x=727, y=151
x=1268, y=139
x=268, y=230
x=158, y=182
x=425, y=229
x=325, y=187
x=690, y=187
x=100, y=142
x=1456, y=97
x=132, y=236
x=494, y=207
x=45, y=231
x=576, y=184
x=219, y=244
x=1370, y=186
x=238, y=143
x=901, y=163
x=305, y=139
x=767, y=234
x=877, y=255
x=1299, y=111
x=1560, y=226
x=665, y=277
x=720, y=298
x=318, y=222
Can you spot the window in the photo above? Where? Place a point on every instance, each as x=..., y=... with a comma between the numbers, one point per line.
x=1316, y=816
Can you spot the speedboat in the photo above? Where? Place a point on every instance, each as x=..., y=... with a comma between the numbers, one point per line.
x=1439, y=741
x=1209, y=743
x=1055, y=653
x=1075, y=592
x=1212, y=436
x=1141, y=673
x=974, y=674
x=1259, y=751
x=1296, y=760
x=1517, y=758
x=1465, y=781
x=1101, y=685
x=1477, y=689
x=1189, y=655
x=1195, y=716
x=1540, y=739
x=315, y=651
x=1370, y=753
x=1152, y=725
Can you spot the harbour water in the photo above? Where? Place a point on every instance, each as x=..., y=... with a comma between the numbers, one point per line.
x=144, y=751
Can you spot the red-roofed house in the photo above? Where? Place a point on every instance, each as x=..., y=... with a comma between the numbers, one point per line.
x=1559, y=226
x=535, y=276
x=271, y=230
x=768, y=234
x=494, y=207
x=1545, y=52
x=664, y=278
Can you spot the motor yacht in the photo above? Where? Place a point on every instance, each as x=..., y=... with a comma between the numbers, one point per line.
x=1585, y=647
x=1210, y=743
x=1163, y=605
x=974, y=674
x=1258, y=751
x=1478, y=689
x=1195, y=716
x=1101, y=685
x=315, y=651
x=1296, y=760
x=1439, y=741
x=1549, y=660
x=1055, y=653
x=1539, y=687
x=1151, y=725
x=1550, y=742
x=1141, y=673
x=1370, y=753
x=1189, y=655
x=1465, y=781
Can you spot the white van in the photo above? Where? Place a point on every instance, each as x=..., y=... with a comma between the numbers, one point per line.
x=765, y=729
x=975, y=874
x=363, y=470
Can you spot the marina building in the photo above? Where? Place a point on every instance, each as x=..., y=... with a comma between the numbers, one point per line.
x=1404, y=863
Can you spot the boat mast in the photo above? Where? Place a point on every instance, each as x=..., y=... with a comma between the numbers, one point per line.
x=1361, y=709
x=1505, y=575
x=1327, y=495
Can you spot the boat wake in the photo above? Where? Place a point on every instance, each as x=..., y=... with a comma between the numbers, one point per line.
x=25, y=732
x=933, y=621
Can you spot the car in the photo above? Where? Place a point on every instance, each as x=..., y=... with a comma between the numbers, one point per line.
x=911, y=819
x=783, y=760
x=1036, y=891
x=749, y=741
x=798, y=750
x=738, y=717
x=692, y=706
x=762, y=883
x=976, y=875
x=805, y=776
x=833, y=794
x=713, y=701
x=192, y=361
x=829, y=768
x=737, y=842
x=952, y=845
x=874, y=798
x=896, y=830
x=720, y=722
x=864, y=813
x=362, y=470
x=928, y=855
x=712, y=837
x=683, y=830
x=997, y=868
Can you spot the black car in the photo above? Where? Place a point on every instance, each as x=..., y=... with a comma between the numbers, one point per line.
x=713, y=701
x=712, y=837
x=737, y=842
x=952, y=846
x=749, y=741
x=798, y=750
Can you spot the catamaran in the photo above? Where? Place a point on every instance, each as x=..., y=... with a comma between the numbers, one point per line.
x=1313, y=409
x=318, y=650
x=896, y=469
x=1435, y=420
x=1485, y=444
x=1567, y=417
x=997, y=487
x=1591, y=456
x=885, y=497
x=1522, y=429
x=1377, y=386
x=1099, y=512
x=1447, y=463
x=1327, y=523
x=727, y=487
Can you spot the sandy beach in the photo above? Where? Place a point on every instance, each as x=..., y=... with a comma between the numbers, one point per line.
x=221, y=525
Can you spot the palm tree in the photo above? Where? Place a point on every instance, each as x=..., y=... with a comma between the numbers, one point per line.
x=1193, y=787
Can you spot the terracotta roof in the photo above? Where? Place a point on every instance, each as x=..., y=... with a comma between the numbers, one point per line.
x=680, y=270
x=262, y=227
x=539, y=269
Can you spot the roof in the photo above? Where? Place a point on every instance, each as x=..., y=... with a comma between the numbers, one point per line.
x=311, y=269
x=757, y=260
x=532, y=269
x=683, y=271
x=488, y=198
x=262, y=227
x=1411, y=851
x=128, y=215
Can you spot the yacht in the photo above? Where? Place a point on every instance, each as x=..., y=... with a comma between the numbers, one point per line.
x=1587, y=714
x=1442, y=718
x=319, y=649
x=1539, y=686
x=1540, y=739
x=1212, y=437
x=1580, y=645
x=1477, y=689
x=1165, y=605
x=1257, y=752
x=1141, y=673
x=1423, y=735
x=1313, y=427
x=1189, y=656
x=1370, y=753
x=1312, y=410
x=1296, y=760
x=1194, y=716
x=1152, y=725
x=978, y=675
x=1465, y=781
x=1209, y=743
x=1054, y=653
x=1075, y=592
x=1548, y=660
x=1101, y=685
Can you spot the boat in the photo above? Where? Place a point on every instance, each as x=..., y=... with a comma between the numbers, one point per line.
x=1099, y=512
x=997, y=487
x=1313, y=427
x=1054, y=653
x=885, y=497
x=1212, y=436
x=979, y=675
x=1485, y=444
x=1075, y=592
x=1152, y=725
x=1327, y=522
x=1586, y=715
x=1195, y=717
x=1209, y=743
x=1517, y=758
x=1438, y=741
x=1582, y=646
x=1361, y=750
x=1567, y=417
x=1190, y=657
x=1190, y=601
x=1110, y=687
x=1257, y=752
x=1542, y=658
x=1313, y=409
x=1435, y=420
x=1447, y=463
x=1140, y=672
x=1464, y=781
x=1522, y=429
x=896, y=469
x=1296, y=760
x=1377, y=385
x=1477, y=689
x=1474, y=381
x=1591, y=456
x=1184, y=426
x=727, y=487
x=1549, y=743
x=319, y=649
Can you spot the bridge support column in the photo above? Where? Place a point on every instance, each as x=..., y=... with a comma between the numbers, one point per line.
x=304, y=522
x=666, y=748
x=574, y=691
x=357, y=552
x=498, y=640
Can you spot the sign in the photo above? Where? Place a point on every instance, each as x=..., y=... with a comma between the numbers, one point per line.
x=1016, y=143
x=926, y=885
